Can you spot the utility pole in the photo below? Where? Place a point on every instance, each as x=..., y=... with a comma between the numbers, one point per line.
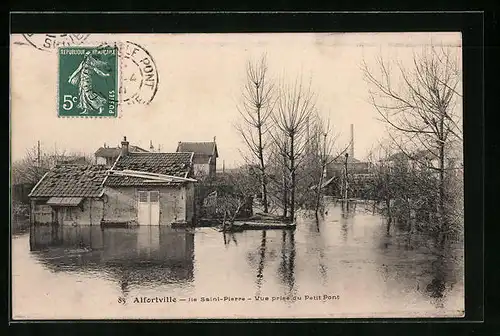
x=39, y=164
x=345, y=179
x=323, y=164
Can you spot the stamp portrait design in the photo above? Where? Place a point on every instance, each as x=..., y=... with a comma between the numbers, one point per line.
x=88, y=83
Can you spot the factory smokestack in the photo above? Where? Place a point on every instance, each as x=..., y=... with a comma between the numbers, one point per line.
x=351, y=147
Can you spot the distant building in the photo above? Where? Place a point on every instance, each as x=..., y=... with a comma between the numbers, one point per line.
x=336, y=164
x=107, y=155
x=359, y=173
x=423, y=159
x=72, y=159
x=205, y=156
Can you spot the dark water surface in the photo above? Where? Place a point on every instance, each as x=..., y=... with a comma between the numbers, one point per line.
x=345, y=266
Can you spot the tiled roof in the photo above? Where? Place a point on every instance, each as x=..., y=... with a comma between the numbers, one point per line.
x=205, y=148
x=73, y=180
x=113, y=152
x=175, y=164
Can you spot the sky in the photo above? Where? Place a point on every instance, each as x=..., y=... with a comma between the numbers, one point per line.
x=200, y=81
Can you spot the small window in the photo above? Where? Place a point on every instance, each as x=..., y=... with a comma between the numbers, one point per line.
x=143, y=196
x=67, y=214
x=154, y=196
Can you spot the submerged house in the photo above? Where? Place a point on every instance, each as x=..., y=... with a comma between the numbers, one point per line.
x=150, y=188
x=140, y=188
x=205, y=156
x=69, y=194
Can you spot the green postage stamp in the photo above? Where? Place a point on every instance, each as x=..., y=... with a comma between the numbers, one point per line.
x=88, y=82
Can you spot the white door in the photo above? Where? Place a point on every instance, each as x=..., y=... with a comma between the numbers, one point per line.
x=148, y=209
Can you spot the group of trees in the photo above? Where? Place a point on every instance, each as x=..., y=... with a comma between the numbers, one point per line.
x=287, y=140
x=27, y=171
x=418, y=103
x=37, y=161
x=289, y=144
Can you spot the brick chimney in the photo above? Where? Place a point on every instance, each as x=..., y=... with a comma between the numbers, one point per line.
x=124, y=146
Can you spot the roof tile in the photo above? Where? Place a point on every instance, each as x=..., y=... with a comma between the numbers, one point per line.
x=71, y=180
x=175, y=164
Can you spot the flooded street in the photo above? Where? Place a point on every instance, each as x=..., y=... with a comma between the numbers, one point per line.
x=344, y=266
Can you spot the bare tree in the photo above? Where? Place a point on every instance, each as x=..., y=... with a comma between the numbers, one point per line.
x=320, y=152
x=277, y=175
x=38, y=160
x=324, y=149
x=418, y=102
x=255, y=110
x=235, y=196
x=294, y=106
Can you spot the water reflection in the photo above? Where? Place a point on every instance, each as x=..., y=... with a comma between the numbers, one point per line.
x=346, y=215
x=262, y=260
x=419, y=263
x=287, y=263
x=143, y=256
x=229, y=238
x=272, y=258
x=344, y=252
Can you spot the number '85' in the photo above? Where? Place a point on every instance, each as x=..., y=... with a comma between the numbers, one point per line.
x=68, y=101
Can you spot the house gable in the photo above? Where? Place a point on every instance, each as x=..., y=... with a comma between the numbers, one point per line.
x=201, y=149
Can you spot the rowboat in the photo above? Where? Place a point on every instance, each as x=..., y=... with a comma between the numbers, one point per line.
x=264, y=225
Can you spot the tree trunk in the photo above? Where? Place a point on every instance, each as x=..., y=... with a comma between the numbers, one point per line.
x=285, y=186
x=262, y=166
x=224, y=221
x=318, y=194
x=442, y=219
x=293, y=178
x=388, y=206
x=321, y=176
x=389, y=215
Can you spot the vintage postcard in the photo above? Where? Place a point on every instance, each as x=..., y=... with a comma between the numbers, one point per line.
x=271, y=175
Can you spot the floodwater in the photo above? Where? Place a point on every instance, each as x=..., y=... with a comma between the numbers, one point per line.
x=343, y=266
